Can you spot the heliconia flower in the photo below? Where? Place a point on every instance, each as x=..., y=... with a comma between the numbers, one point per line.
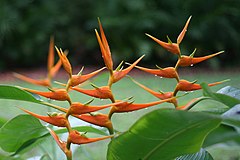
x=190, y=60
x=76, y=138
x=173, y=47
x=79, y=78
x=79, y=108
x=65, y=62
x=184, y=85
x=61, y=144
x=103, y=92
x=190, y=104
x=56, y=94
x=120, y=73
x=52, y=70
x=106, y=54
x=161, y=95
x=54, y=119
x=168, y=72
x=130, y=106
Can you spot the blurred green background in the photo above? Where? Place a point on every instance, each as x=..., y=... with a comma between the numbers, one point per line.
x=26, y=26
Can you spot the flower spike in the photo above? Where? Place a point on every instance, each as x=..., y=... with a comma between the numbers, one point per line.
x=76, y=138
x=106, y=54
x=190, y=60
x=55, y=119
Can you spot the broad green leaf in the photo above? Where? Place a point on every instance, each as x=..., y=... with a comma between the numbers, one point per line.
x=222, y=134
x=163, y=134
x=225, y=99
x=19, y=130
x=58, y=131
x=201, y=155
x=232, y=116
x=2, y=121
x=15, y=93
x=230, y=91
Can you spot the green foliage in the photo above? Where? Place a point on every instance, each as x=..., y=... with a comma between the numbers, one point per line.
x=13, y=133
x=26, y=26
x=163, y=134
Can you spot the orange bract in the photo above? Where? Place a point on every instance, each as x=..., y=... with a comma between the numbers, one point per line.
x=184, y=85
x=189, y=60
x=61, y=144
x=103, y=92
x=76, y=138
x=168, y=72
x=119, y=74
x=56, y=120
x=106, y=54
x=78, y=79
x=57, y=94
x=65, y=62
x=52, y=70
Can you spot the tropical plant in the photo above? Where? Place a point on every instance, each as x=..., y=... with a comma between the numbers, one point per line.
x=176, y=132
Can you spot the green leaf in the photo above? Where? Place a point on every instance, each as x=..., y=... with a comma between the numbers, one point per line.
x=220, y=97
x=201, y=155
x=20, y=130
x=15, y=93
x=58, y=131
x=232, y=116
x=163, y=134
x=230, y=91
x=222, y=134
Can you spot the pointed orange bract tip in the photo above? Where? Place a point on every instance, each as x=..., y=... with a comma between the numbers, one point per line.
x=56, y=120
x=76, y=138
x=61, y=144
x=106, y=54
x=168, y=72
x=57, y=94
x=43, y=82
x=103, y=92
x=171, y=47
x=182, y=34
x=184, y=85
x=189, y=61
x=98, y=119
x=78, y=79
x=65, y=62
x=117, y=75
